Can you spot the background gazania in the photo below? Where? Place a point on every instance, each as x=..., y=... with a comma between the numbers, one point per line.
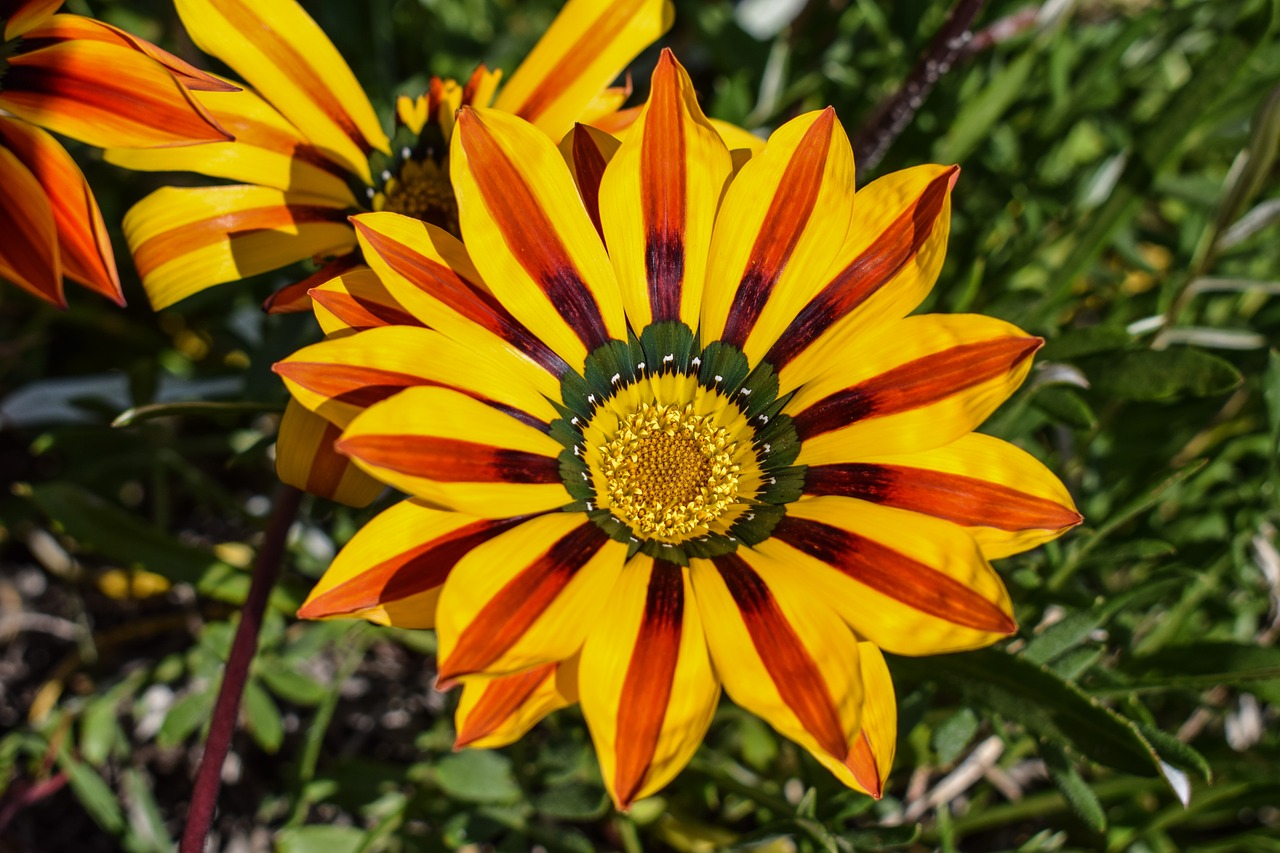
x=713, y=455
x=51, y=79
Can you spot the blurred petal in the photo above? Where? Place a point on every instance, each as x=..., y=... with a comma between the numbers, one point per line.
x=872, y=756
x=737, y=138
x=29, y=251
x=19, y=16
x=139, y=104
x=530, y=236
x=648, y=690
x=587, y=151
x=305, y=459
x=583, y=51
x=83, y=243
x=392, y=570
x=1006, y=498
x=911, y=584
x=528, y=597
x=285, y=55
x=783, y=213
x=443, y=446
x=498, y=710
x=267, y=151
x=341, y=377
x=884, y=270
x=187, y=240
x=919, y=383
x=659, y=200
x=786, y=658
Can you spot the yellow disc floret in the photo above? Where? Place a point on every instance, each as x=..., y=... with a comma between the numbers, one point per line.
x=668, y=471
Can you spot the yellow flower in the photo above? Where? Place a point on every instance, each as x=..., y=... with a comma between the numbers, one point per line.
x=714, y=453
x=309, y=150
x=51, y=77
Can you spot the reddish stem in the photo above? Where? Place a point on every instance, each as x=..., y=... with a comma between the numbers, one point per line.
x=266, y=569
x=29, y=795
x=894, y=113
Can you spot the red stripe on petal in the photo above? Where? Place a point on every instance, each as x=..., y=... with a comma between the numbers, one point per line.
x=894, y=574
x=862, y=763
x=362, y=314
x=176, y=242
x=917, y=383
x=444, y=284
x=515, y=607
x=965, y=500
x=867, y=273
x=294, y=298
x=794, y=672
x=663, y=191
x=789, y=213
x=502, y=697
x=531, y=236
x=451, y=460
x=328, y=467
x=588, y=169
x=650, y=675
x=415, y=571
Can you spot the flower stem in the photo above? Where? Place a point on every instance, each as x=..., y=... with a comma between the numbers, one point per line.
x=266, y=569
x=893, y=114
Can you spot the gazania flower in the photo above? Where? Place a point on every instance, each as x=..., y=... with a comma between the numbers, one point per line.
x=309, y=150
x=51, y=77
x=699, y=445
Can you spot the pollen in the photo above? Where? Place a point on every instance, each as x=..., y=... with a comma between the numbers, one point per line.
x=669, y=472
x=421, y=190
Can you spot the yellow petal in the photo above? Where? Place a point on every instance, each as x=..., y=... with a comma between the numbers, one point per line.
x=586, y=47
x=22, y=15
x=658, y=202
x=357, y=300
x=782, y=217
x=186, y=240
x=285, y=55
x=305, y=459
x=918, y=383
x=587, y=151
x=448, y=448
x=497, y=710
x=527, y=597
x=911, y=584
x=872, y=757
x=647, y=688
x=29, y=252
x=530, y=236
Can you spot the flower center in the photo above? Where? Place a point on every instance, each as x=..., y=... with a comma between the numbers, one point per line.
x=668, y=471
x=421, y=190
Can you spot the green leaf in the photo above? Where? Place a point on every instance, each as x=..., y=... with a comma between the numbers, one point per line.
x=1206, y=664
x=954, y=734
x=320, y=839
x=94, y=794
x=146, y=825
x=1090, y=340
x=1083, y=801
x=572, y=802
x=263, y=717
x=1161, y=375
x=185, y=716
x=884, y=838
x=291, y=685
x=1074, y=628
x=98, y=729
x=1065, y=406
x=478, y=776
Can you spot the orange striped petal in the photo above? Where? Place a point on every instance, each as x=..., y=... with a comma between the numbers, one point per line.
x=68, y=27
x=139, y=104
x=430, y=273
x=911, y=584
x=782, y=216
x=648, y=690
x=267, y=151
x=498, y=710
x=530, y=236
x=586, y=47
x=619, y=123
x=526, y=598
x=392, y=570
x=83, y=243
x=286, y=57
x=606, y=103
x=29, y=251
x=871, y=758
x=886, y=267
x=588, y=151
x=341, y=377
x=919, y=383
x=305, y=459
x=190, y=239
x=446, y=447
x=1009, y=501
x=355, y=301
x=659, y=199
x=296, y=298
x=19, y=16
x=785, y=657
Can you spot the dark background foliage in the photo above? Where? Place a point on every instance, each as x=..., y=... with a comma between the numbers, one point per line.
x=1118, y=197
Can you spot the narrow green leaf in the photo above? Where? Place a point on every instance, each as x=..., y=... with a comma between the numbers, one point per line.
x=290, y=685
x=1083, y=801
x=1076, y=627
x=1089, y=340
x=184, y=717
x=954, y=734
x=1206, y=664
x=263, y=717
x=319, y=839
x=94, y=794
x=146, y=825
x=99, y=729
x=1161, y=375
